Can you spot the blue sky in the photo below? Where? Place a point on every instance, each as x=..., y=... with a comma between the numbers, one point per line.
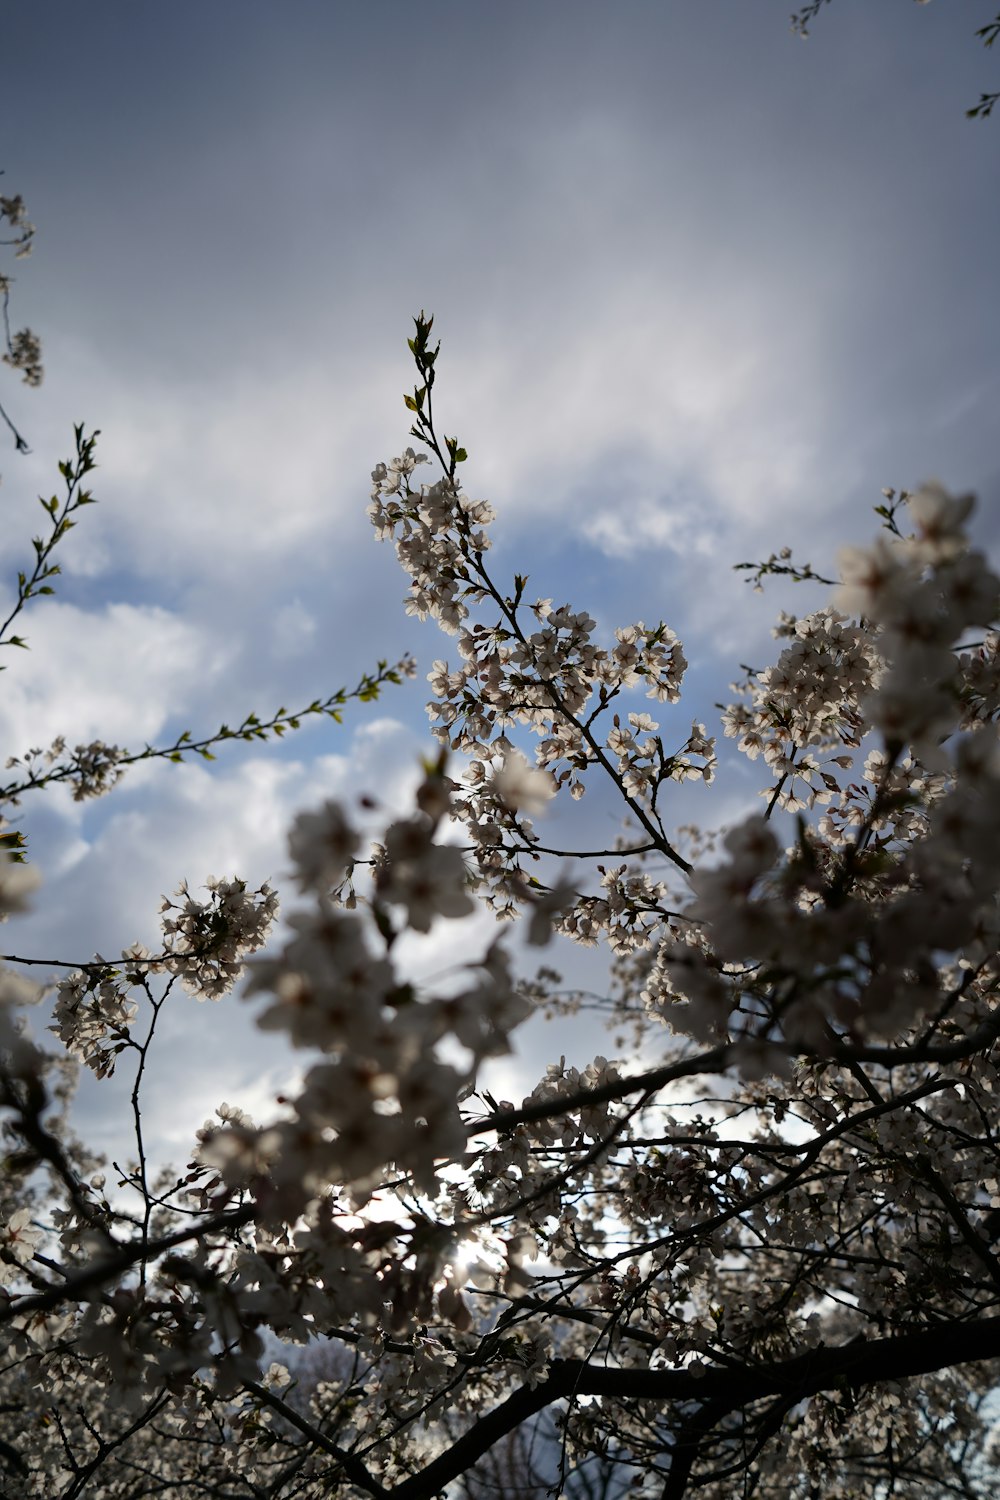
x=703, y=289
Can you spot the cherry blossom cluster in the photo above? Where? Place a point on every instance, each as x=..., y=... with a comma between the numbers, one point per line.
x=921, y=592
x=13, y=209
x=543, y=677
x=92, y=770
x=93, y=1016
x=24, y=350
x=206, y=943
x=24, y=353
x=96, y=769
x=381, y=1094
x=804, y=714
x=205, y=946
x=549, y=680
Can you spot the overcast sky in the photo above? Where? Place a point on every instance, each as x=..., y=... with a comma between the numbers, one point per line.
x=702, y=289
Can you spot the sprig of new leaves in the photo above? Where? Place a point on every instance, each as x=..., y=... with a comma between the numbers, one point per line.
x=420, y=403
x=36, y=583
x=780, y=564
x=252, y=728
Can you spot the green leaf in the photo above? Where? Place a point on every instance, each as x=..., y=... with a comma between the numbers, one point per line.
x=14, y=842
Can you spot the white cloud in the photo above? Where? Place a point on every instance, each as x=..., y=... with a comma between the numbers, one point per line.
x=243, y=468
x=293, y=627
x=637, y=526
x=114, y=673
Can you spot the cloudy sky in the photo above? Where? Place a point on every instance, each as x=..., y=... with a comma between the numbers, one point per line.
x=702, y=288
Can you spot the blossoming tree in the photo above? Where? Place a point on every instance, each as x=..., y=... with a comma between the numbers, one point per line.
x=756, y=1256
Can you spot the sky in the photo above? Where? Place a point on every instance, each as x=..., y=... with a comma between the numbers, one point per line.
x=703, y=289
